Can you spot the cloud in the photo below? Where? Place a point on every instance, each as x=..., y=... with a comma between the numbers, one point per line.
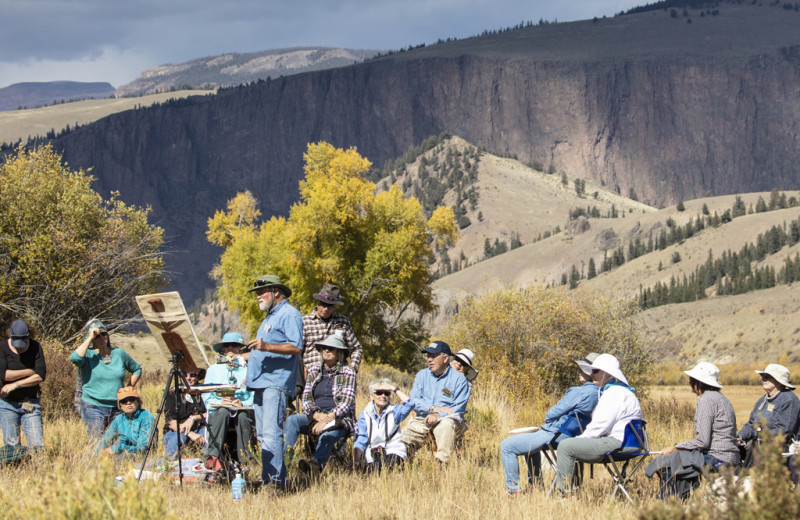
x=112, y=65
x=112, y=41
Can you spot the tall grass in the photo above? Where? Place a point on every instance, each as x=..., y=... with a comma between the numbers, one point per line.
x=67, y=480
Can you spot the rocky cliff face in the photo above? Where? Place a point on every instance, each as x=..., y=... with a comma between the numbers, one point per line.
x=668, y=109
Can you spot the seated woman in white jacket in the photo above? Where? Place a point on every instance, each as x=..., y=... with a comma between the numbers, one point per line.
x=616, y=407
x=378, y=441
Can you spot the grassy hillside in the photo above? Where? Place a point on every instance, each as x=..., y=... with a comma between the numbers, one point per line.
x=21, y=124
x=513, y=198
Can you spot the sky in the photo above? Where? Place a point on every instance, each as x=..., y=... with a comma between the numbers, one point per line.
x=114, y=41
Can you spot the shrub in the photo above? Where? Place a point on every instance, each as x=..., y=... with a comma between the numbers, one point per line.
x=529, y=338
x=58, y=388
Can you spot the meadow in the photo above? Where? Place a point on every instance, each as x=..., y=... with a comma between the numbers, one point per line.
x=72, y=482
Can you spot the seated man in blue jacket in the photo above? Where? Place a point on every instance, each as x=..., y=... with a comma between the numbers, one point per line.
x=579, y=400
x=440, y=396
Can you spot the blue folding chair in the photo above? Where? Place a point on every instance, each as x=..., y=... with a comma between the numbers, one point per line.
x=635, y=448
x=574, y=425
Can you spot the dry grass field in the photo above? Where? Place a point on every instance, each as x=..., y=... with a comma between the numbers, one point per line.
x=69, y=476
x=21, y=124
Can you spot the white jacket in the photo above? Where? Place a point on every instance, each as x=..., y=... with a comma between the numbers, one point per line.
x=378, y=431
x=616, y=408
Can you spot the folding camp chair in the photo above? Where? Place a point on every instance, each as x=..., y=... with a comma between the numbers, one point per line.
x=634, y=446
x=574, y=425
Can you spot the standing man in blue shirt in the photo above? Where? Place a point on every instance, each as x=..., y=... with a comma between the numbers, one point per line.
x=440, y=396
x=272, y=371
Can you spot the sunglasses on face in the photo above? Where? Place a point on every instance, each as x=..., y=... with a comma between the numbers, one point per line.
x=326, y=305
x=383, y=392
x=192, y=374
x=128, y=400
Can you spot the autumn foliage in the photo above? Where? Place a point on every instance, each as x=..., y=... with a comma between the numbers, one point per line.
x=529, y=338
x=375, y=246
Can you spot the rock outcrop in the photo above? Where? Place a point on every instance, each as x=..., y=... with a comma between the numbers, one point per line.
x=648, y=104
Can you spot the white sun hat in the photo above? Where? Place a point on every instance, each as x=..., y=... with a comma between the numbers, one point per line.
x=779, y=372
x=610, y=365
x=706, y=373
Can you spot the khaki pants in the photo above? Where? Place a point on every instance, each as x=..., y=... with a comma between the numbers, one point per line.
x=445, y=433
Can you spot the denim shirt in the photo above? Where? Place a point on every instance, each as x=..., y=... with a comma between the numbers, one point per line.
x=449, y=390
x=283, y=324
x=581, y=399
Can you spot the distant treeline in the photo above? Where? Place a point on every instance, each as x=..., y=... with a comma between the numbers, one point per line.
x=671, y=233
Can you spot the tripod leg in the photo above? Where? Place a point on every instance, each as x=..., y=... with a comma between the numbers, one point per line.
x=154, y=432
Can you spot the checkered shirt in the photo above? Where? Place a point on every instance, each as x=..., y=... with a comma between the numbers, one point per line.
x=315, y=329
x=344, y=393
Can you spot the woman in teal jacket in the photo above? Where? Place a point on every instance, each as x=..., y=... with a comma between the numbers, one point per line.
x=130, y=429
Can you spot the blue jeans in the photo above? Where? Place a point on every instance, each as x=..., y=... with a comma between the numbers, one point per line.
x=171, y=442
x=528, y=445
x=97, y=418
x=269, y=405
x=13, y=416
x=298, y=423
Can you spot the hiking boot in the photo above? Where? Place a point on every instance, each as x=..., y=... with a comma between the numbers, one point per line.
x=310, y=467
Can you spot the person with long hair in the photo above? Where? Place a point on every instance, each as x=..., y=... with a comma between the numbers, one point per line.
x=102, y=370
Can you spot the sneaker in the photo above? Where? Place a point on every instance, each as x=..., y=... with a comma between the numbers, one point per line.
x=514, y=494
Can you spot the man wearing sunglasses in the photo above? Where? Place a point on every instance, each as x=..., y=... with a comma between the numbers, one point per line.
x=272, y=371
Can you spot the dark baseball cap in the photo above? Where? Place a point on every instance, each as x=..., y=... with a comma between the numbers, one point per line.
x=19, y=332
x=438, y=347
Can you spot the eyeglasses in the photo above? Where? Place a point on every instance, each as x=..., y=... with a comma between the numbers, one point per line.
x=329, y=349
x=192, y=374
x=326, y=305
x=104, y=334
x=383, y=392
x=128, y=400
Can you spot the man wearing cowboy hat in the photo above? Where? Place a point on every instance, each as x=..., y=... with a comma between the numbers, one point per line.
x=778, y=410
x=616, y=407
x=323, y=321
x=440, y=396
x=272, y=371
x=232, y=369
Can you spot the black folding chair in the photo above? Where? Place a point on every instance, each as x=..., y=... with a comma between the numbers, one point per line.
x=574, y=425
x=635, y=448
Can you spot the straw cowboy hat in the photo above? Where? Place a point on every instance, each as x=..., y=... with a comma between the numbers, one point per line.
x=706, y=373
x=779, y=373
x=608, y=364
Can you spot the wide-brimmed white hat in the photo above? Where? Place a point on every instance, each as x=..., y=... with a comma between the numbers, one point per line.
x=706, y=373
x=610, y=365
x=778, y=372
x=467, y=358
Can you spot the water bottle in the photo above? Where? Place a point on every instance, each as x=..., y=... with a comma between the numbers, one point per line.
x=238, y=487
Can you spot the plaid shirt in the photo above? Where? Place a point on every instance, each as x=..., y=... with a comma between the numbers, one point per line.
x=344, y=393
x=315, y=329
